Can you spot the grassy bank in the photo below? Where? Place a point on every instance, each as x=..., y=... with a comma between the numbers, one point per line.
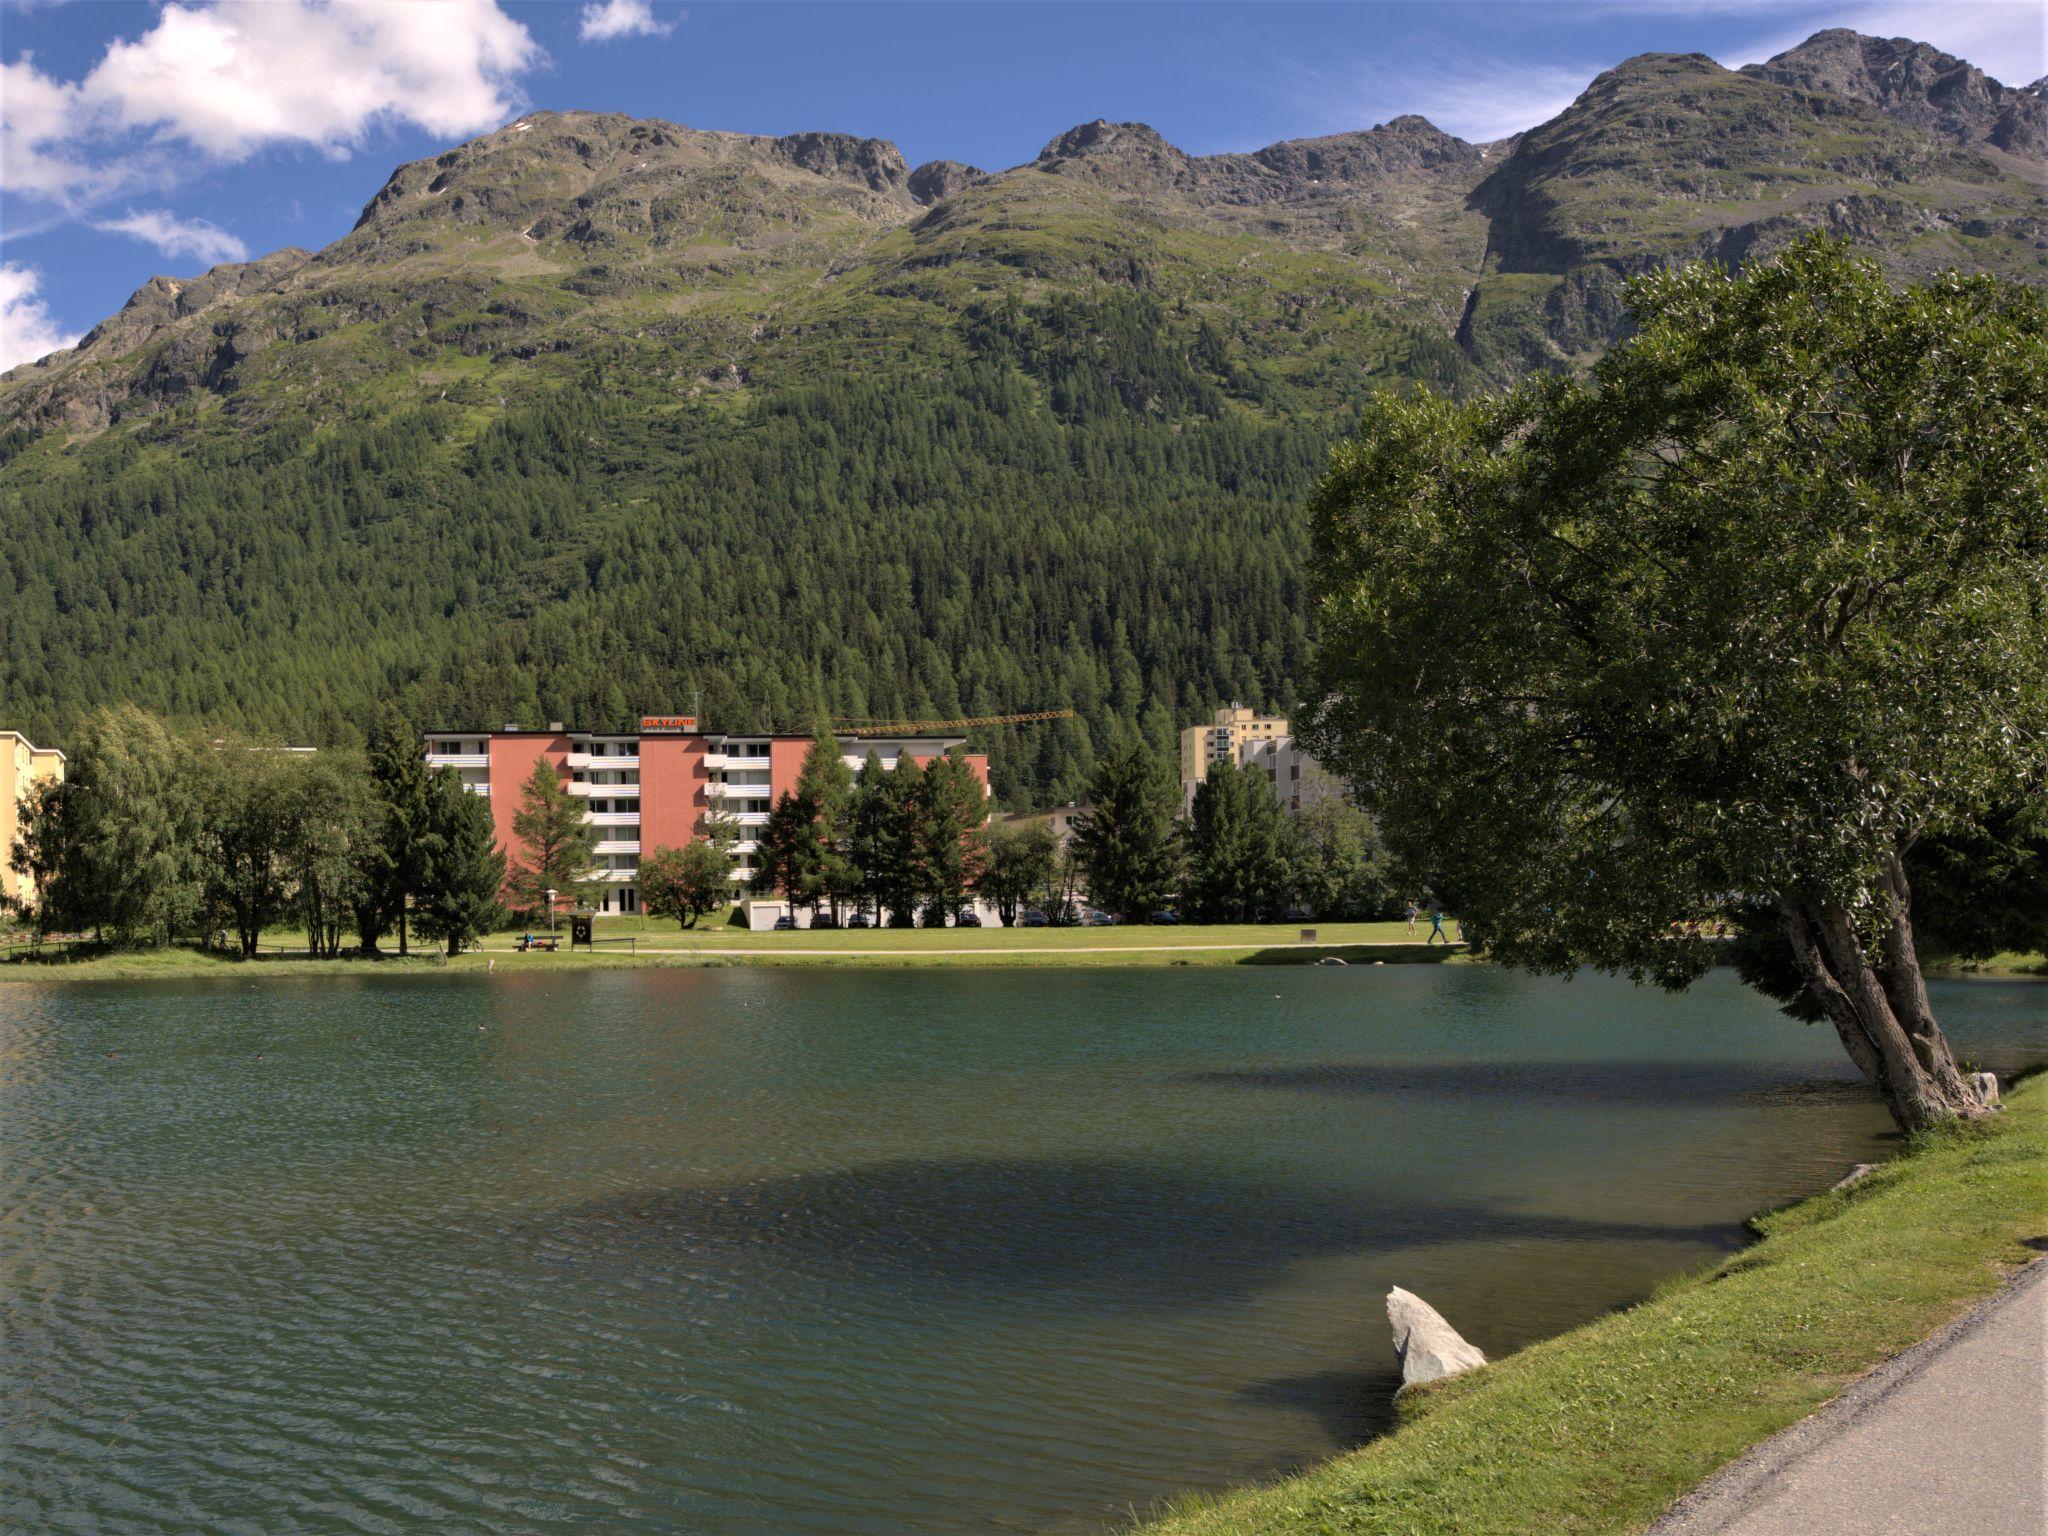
x=665, y=945
x=1598, y=1430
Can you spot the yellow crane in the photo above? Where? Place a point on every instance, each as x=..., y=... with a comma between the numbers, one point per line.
x=935, y=727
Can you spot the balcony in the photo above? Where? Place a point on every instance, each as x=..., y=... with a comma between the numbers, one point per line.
x=612, y=818
x=714, y=760
x=605, y=791
x=458, y=760
x=743, y=791
x=752, y=818
x=614, y=877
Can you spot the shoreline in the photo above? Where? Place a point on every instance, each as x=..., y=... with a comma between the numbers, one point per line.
x=1604, y=1429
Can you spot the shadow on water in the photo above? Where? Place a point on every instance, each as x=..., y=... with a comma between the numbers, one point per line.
x=1124, y=1234
x=1655, y=1082
x=1352, y=1406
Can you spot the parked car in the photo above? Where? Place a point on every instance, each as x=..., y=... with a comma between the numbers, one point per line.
x=858, y=920
x=967, y=920
x=824, y=920
x=1100, y=920
x=1165, y=919
x=1033, y=919
x=784, y=921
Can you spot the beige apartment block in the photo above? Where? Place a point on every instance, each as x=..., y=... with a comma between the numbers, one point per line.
x=25, y=764
x=1225, y=740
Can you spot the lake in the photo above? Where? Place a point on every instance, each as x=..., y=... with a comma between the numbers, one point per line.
x=765, y=1252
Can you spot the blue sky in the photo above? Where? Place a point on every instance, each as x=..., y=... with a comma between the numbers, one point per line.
x=144, y=138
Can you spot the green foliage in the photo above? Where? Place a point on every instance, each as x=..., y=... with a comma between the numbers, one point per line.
x=685, y=883
x=950, y=812
x=1340, y=869
x=1021, y=864
x=1748, y=612
x=332, y=825
x=463, y=897
x=558, y=845
x=395, y=865
x=1125, y=844
x=1237, y=848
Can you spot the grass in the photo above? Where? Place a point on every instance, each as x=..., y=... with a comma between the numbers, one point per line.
x=1598, y=1430
x=660, y=945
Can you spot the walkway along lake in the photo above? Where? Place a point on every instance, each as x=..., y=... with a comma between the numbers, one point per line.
x=764, y=1252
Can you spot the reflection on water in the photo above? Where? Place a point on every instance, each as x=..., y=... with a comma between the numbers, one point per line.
x=766, y=1252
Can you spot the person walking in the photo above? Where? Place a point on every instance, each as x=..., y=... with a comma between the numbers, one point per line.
x=1413, y=913
x=1436, y=926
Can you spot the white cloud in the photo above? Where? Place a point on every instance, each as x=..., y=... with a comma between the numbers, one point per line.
x=234, y=76
x=203, y=242
x=621, y=18
x=1479, y=100
x=27, y=329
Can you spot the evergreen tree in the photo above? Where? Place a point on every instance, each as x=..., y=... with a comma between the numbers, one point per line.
x=397, y=865
x=826, y=782
x=1125, y=843
x=464, y=896
x=791, y=862
x=951, y=812
x=1237, y=847
x=904, y=884
x=559, y=846
x=869, y=833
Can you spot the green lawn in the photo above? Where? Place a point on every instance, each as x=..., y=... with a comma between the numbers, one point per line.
x=1598, y=1430
x=665, y=944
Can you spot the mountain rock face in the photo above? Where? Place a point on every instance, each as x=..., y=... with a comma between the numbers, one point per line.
x=680, y=358
x=1916, y=84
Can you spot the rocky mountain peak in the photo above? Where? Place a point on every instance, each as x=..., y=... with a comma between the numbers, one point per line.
x=937, y=180
x=1915, y=83
x=1102, y=137
x=875, y=164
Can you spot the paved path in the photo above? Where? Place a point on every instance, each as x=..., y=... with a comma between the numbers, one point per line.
x=1053, y=951
x=1948, y=1439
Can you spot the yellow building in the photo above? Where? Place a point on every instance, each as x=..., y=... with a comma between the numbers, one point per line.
x=1225, y=740
x=24, y=764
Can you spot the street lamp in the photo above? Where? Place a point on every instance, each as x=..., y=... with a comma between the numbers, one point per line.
x=551, y=909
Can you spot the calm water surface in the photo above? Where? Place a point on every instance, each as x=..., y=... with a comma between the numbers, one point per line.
x=772, y=1252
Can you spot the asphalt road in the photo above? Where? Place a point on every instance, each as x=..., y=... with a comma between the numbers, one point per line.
x=1948, y=1439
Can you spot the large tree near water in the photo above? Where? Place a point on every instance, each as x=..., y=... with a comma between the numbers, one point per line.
x=1731, y=625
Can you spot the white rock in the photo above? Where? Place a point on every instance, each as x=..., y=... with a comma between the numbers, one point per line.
x=1428, y=1347
x=1986, y=1084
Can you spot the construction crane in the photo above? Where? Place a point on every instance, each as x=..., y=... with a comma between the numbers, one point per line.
x=936, y=727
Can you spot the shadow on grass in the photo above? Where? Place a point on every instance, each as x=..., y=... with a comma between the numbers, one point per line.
x=1353, y=954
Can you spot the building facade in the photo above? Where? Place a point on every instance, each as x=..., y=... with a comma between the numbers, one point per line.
x=1299, y=781
x=22, y=766
x=653, y=787
x=1224, y=739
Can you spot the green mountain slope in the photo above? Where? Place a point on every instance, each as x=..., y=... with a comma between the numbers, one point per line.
x=592, y=414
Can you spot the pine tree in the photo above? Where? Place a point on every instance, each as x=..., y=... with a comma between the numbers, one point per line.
x=464, y=895
x=1237, y=847
x=398, y=864
x=558, y=845
x=951, y=812
x=1125, y=843
x=827, y=783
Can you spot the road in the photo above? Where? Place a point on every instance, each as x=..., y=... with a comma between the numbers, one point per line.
x=1948, y=1439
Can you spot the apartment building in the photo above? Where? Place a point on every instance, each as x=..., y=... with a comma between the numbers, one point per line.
x=1224, y=739
x=22, y=765
x=1238, y=735
x=651, y=788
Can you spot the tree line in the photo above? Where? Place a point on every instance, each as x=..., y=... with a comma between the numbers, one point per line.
x=156, y=835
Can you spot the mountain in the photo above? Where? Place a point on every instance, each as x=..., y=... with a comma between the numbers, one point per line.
x=595, y=414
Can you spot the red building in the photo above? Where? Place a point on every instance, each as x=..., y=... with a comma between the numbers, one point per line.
x=651, y=788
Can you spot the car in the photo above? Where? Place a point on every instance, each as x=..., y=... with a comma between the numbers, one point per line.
x=1165, y=919
x=858, y=920
x=784, y=921
x=967, y=920
x=1100, y=920
x=824, y=920
x=1033, y=919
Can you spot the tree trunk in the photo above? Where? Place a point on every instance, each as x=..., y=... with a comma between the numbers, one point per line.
x=401, y=925
x=1878, y=1005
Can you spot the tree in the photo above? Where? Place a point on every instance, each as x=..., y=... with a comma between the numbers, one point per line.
x=899, y=881
x=1737, y=622
x=42, y=855
x=1125, y=841
x=826, y=782
x=685, y=883
x=395, y=866
x=245, y=856
x=332, y=822
x=1020, y=865
x=1237, y=847
x=558, y=847
x=791, y=862
x=870, y=833
x=1340, y=869
x=463, y=898
x=951, y=810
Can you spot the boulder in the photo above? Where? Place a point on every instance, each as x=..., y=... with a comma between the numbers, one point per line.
x=1857, y=1173
x=1986, y=1084
x=1428, y=1347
